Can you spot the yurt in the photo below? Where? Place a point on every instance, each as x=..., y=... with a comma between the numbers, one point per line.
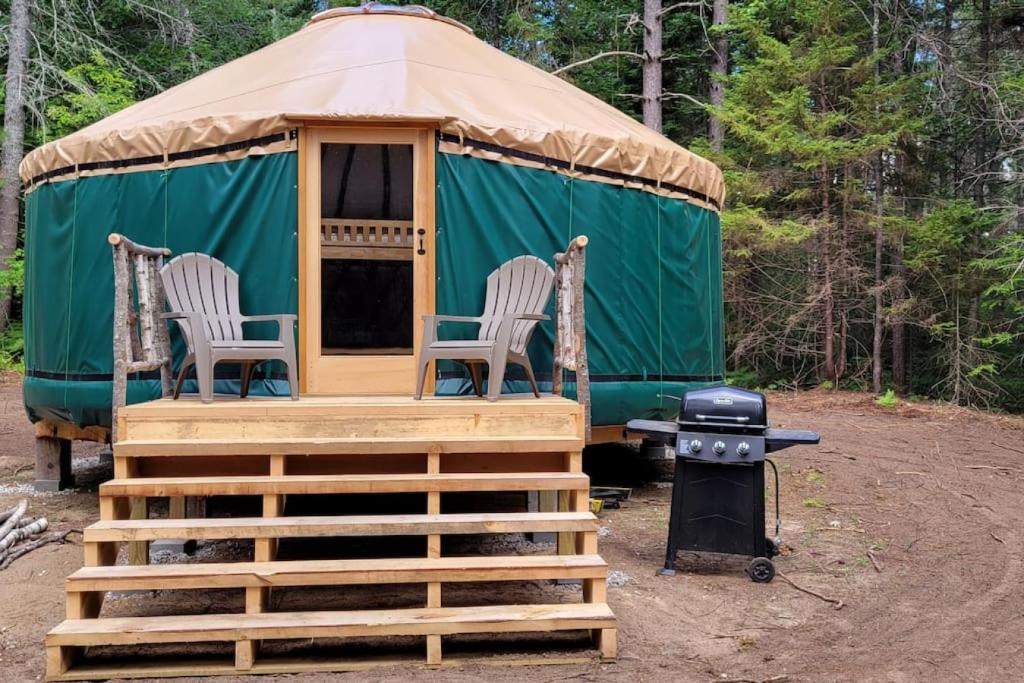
x=369, y=169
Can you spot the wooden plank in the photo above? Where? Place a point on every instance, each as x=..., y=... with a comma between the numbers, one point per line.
x=336, y=572
x=353, y=525
x=343, y=483
x=608, y=434
x=307, y=425
x=182, y=667
x=328, y=624
x=329, y=406
x=372, y=445
x=72, y=432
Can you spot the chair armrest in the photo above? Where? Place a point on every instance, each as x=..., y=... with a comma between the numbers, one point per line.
x=432, y=319
x=431, y=323
x=279, y=317
x=525, y=316
x=192, y=323
x=285, y=323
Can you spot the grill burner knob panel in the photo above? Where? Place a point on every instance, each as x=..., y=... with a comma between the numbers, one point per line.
x=720, y=447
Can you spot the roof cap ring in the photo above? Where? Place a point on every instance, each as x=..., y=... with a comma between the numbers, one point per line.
x=373, y=7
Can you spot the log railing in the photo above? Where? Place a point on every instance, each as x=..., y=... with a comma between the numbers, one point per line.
x=570, y=326
x=141, y=341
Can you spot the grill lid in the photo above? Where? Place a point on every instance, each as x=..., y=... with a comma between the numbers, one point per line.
x=723, y=408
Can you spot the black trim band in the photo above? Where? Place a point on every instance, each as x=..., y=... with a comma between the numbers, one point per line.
x=151, y=374
x=119, y=163
x=565, y=165
x=171, y=157
x=513, y=375
x=546, y=377
x=227, y=147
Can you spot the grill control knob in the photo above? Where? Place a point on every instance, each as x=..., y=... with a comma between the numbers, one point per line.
x=743, y=449
x=695, y=445
x=719, y=447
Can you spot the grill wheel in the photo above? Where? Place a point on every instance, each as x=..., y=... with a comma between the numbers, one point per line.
x=761, y=570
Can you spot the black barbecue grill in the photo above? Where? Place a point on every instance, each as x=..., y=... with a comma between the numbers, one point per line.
x=721, y=438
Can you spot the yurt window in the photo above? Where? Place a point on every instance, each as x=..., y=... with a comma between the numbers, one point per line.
x=366, y=242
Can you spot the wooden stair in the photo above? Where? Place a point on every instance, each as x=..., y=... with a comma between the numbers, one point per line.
x=281, y=450
x=335, y=572
x=282, y=625
x=342, y=483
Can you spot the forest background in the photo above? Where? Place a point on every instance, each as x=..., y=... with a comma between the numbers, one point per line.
x=873, y=152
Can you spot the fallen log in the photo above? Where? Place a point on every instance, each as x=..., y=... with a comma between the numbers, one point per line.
x=12, y=520
x=24, y=548
x=22, y=533
x=33, y=528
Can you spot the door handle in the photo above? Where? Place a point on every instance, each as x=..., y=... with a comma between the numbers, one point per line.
x=422, y=250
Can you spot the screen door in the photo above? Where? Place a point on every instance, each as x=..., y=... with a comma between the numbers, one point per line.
x=367, y=265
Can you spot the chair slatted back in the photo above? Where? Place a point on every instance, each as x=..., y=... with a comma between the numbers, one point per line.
x=522, y=285
x=202, y=284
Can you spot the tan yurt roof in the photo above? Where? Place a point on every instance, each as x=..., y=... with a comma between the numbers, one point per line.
x=384, y=64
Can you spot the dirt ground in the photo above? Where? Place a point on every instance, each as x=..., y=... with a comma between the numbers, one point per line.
x=911, y=517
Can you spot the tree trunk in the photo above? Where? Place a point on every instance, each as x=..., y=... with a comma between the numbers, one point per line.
x=879, y=202
x=898, y=275
x=827, y=300
x=719, y=70
x=652, y=64
x=982, y=131
x=13, y=144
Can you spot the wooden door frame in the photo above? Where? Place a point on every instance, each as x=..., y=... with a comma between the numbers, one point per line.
x=424, y=282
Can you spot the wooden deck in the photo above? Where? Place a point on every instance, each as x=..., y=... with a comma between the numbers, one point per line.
x=282, y=450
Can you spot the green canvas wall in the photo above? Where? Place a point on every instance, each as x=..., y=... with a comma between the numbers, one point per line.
x=654, y=288
x=654, y=306
x=243, y=212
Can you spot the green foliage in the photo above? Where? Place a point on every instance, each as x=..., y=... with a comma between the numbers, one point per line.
x=827, y=385
x=100, y=89
x=814, y=503
x=12, y=278
x=888, y=399
x=810, y=108
x=741, y=377
x=12, y=348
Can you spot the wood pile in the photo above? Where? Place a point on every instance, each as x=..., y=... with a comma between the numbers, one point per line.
x=21, y=534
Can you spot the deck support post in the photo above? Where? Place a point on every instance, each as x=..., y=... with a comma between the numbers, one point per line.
x=84, y=605
x=434, y=552
x=138, y=551
x=53, y=464
x=175, y=510
x=568, y=502
x=59, y=659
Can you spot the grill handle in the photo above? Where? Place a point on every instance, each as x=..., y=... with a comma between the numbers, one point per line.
x=733, y=418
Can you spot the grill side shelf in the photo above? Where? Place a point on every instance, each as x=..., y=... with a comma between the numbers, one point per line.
x=657, y=430
x=777, y=439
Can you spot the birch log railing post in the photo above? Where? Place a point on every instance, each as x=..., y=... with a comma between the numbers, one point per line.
x=570, y=326
x=141, y=341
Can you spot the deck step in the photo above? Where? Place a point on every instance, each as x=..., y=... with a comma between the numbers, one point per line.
x=343, y=483
x=351, y=525
x=336, y=572
x=375, y=445
x=283, y=625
